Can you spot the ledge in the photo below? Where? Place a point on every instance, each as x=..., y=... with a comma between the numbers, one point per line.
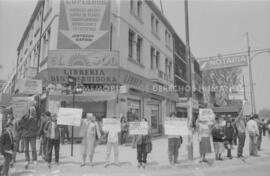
x=135, y=62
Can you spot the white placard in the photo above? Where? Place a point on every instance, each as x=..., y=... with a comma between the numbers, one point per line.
x=247, y=108
x=20, y=106
x=176, y=126
x=28, y=86
x=111, y=124
x=206, y=115
x=53, y=106
x=138, y=128
x=69, y=116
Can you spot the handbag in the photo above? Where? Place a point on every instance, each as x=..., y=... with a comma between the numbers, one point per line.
x=148, y=147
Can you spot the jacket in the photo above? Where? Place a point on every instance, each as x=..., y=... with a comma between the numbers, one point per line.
x=229, y=133
x=29, y=126
x=218, y=134
x=7, y=142
x=48, y=130
x=43, y=123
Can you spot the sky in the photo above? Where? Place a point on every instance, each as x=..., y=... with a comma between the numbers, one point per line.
x=216, y=27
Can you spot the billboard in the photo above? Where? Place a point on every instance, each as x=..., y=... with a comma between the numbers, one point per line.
x=84, y=24
x=220, y=62
x=28, y=86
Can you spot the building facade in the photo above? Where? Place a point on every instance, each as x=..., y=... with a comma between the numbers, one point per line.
x=122, y=47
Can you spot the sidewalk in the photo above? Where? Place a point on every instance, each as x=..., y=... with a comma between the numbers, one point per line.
x=157, y=160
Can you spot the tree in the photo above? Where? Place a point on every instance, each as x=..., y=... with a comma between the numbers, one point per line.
x=221, y=81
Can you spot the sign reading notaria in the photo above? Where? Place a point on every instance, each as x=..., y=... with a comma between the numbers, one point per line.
x=220, y=62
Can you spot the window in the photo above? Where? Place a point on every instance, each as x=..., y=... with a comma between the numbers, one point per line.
x=139, y=49
x=169, y=69
x=166, y=65
x=152, y=23
x=131, y=36
x=152, y=58
x=139, y=8
x=157, y=27
x=157, y=59
x=131, y=5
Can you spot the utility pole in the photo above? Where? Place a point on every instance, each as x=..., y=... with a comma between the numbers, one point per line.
x=244, y=86
x=189, y=78
x=252, y=95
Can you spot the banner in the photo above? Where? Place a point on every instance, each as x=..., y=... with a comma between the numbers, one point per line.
x=84, y=24
x=247, y=109
x=220, y=62
x=28, y=86
x=176, y=126
x=21, y=105
x=69, y=116
x=138, y=128
x=206, y=115
x=111, y=124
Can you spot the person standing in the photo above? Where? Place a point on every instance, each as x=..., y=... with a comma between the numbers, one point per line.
x=124, y=130
x=229, y=136
x=29, y=125
x=174, y=144
x=253, y=131
x=53, y=135
x=144, y=146
x=241, y=133
x=90, y=133
x=7, y=147
x=204, y=133
x=112, y=142
x=218, y=138
x=263, y=127
x=260, y=128
x=41, y=133
x=64, y=134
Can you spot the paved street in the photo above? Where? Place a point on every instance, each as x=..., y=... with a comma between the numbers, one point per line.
x=157, y=163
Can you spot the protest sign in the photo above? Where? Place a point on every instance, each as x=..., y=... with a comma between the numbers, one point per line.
x=20, y=106
x=138, y=128
x=28, y=86
x=53, y=106
x=69, y=116
x=111, y=124
x=206, y=115
x=176, y=126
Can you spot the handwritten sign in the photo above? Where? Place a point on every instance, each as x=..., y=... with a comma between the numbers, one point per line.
x=69, y=116
x=247, y=108
x=28, y=86
x=138, y=128
x=206, y=115
x=111, y=124
x=20, y=106
x=175, y=126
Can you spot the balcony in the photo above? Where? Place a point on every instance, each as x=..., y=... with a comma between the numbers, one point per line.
x=160, y=77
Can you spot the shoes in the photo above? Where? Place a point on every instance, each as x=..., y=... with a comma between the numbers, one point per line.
x=26, y=165
x=139, y=165
x=49, y=165
x=143, y=165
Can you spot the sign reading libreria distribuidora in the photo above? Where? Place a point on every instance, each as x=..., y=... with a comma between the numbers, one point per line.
x=84, y=24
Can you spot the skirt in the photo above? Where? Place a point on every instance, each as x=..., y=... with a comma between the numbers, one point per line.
x=219, y=147
x=205, y=145
x=88, y=145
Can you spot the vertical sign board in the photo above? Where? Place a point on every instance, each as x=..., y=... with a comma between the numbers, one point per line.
x=176, y=126
x=21, y=105
x=84, y=24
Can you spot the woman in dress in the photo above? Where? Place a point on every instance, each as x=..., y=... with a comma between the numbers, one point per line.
x=90, y=133
x=204, y=132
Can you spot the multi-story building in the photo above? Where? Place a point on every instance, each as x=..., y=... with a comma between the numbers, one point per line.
x=103, y=44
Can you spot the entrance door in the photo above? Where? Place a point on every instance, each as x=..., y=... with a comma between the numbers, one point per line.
x=154, y=110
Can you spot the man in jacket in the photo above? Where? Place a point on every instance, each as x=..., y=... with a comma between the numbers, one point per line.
x=252, y=128
x=7, y=147
x=41, y=133
x=53, y=135
x=29, y=125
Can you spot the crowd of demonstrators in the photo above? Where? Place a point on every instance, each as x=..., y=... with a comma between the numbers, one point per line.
x=174, y=143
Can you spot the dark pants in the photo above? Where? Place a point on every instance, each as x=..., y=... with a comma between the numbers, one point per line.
x=123, y=137
x=141, y=153
x=173, y=147
x=30, y=141
x=53, y=143
x=43, y=150
x=241, y=139
x=259, y=141
x=7, y=160
x=63, y=134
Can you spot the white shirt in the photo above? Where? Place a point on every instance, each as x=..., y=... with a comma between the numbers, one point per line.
x=113, y=136
x=252, y=127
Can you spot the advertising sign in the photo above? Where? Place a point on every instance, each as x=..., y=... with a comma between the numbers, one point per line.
x=138, y=128
x=219, y=62
x=82, y=59
x=20, y=106
x=84, y=24
x=206, y=115
x=28, y=87
x=247, y=109
x=236, y=96
x=69, y=116
x=111, y=124
x=176, y=126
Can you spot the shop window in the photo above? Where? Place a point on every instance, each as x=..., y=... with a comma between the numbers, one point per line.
x=131, y=36
x=134, y=110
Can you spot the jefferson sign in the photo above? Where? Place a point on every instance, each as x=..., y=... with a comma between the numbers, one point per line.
x=220, y=62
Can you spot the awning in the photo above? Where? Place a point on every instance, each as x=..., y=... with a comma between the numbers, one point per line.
x=95, y=96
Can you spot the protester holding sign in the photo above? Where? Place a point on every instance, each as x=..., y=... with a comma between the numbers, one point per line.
x=42, y=135
x=174, y=143
x=144, y=146
x=90, y=133
x=112, y=142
